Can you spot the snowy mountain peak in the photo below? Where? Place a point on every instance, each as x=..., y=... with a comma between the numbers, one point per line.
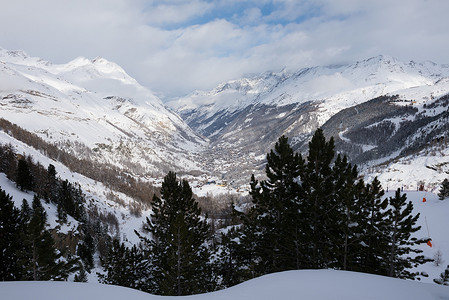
x=20, y=57
x=95, y=68
x=94, y=102
x=17, y=53
x=231, y=95
x=382, y=58
x=356, y=82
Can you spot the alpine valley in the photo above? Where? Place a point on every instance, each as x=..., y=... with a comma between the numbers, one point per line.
x=390, y=117
x=380, y=111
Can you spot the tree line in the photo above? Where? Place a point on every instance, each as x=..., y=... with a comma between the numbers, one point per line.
x=110, y=175
x=309, y=213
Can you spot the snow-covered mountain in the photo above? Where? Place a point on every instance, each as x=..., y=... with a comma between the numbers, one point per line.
x=97, y=104
x=337, y=87
x=244, y=117
x=95, y=110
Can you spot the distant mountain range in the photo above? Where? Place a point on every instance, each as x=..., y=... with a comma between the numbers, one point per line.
x=243, y=118
x=380, y=111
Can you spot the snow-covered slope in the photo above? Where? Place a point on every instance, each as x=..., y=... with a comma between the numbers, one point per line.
x=204, y=110
x=96, y=103
x=95, y=194
x=319, y=284
x=245, y=117
x=336, y=87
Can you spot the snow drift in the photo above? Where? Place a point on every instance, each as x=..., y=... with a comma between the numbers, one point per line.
x=306, y=284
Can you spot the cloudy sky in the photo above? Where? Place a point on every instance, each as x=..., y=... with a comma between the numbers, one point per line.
x=177, y=46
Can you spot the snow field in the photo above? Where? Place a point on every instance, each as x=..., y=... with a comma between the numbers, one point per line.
x=290, y=285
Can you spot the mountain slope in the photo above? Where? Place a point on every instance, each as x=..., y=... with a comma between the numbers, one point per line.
x=262, y=108
x=95, y=103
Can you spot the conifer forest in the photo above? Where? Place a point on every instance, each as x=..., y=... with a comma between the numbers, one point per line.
x=309, y=212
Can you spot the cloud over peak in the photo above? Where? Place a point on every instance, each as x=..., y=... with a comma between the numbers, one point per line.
x=175, y=47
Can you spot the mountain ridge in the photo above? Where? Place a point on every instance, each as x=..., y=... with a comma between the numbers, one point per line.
x=96, y=103
x=297, y=103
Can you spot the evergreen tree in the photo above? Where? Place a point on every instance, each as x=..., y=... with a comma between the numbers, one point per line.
x=46, y=262
x=24, y=178
x=86, y=250
x=24, y=250
x=52, y=185
x=124, y=267
x=8, y=161
x=27, y=250
x=401, y=226
x=51, y=172
x=375, y=240
x=25, y=212
x=10, y=228
x=62, y=214
x=316, y=203
x=444, y=277
x=178, y=250
x=69, y=202
x=318, y=213
x=347, y=215
x=231, y=260
x=444, y=190
x=246, y=255
x=81, y=276
x=275, y=207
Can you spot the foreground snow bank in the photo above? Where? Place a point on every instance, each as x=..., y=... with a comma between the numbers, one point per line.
x=306, y=284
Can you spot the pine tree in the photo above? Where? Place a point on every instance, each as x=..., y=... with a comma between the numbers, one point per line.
x=86, y=250
x=10, y=228
x=24, y=178
x=25, y=212
x=347, y=215
x=402, y=225
x=316, y=192
x=275, y=206
x=81, y=276
x=45, y=262
x=69, y=202
x=444, y=277
x=124, y=267
x=8, y=161
x=52, y=185
x=178, y=250
x=375, y=240
x=23, y=249
x=247, y=254
x=27, y=250
x=232, y=262
x=444, y=190
x=307, y=214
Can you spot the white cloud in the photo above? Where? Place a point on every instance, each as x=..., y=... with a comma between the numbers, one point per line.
x=175, y=12
x=174, y=47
